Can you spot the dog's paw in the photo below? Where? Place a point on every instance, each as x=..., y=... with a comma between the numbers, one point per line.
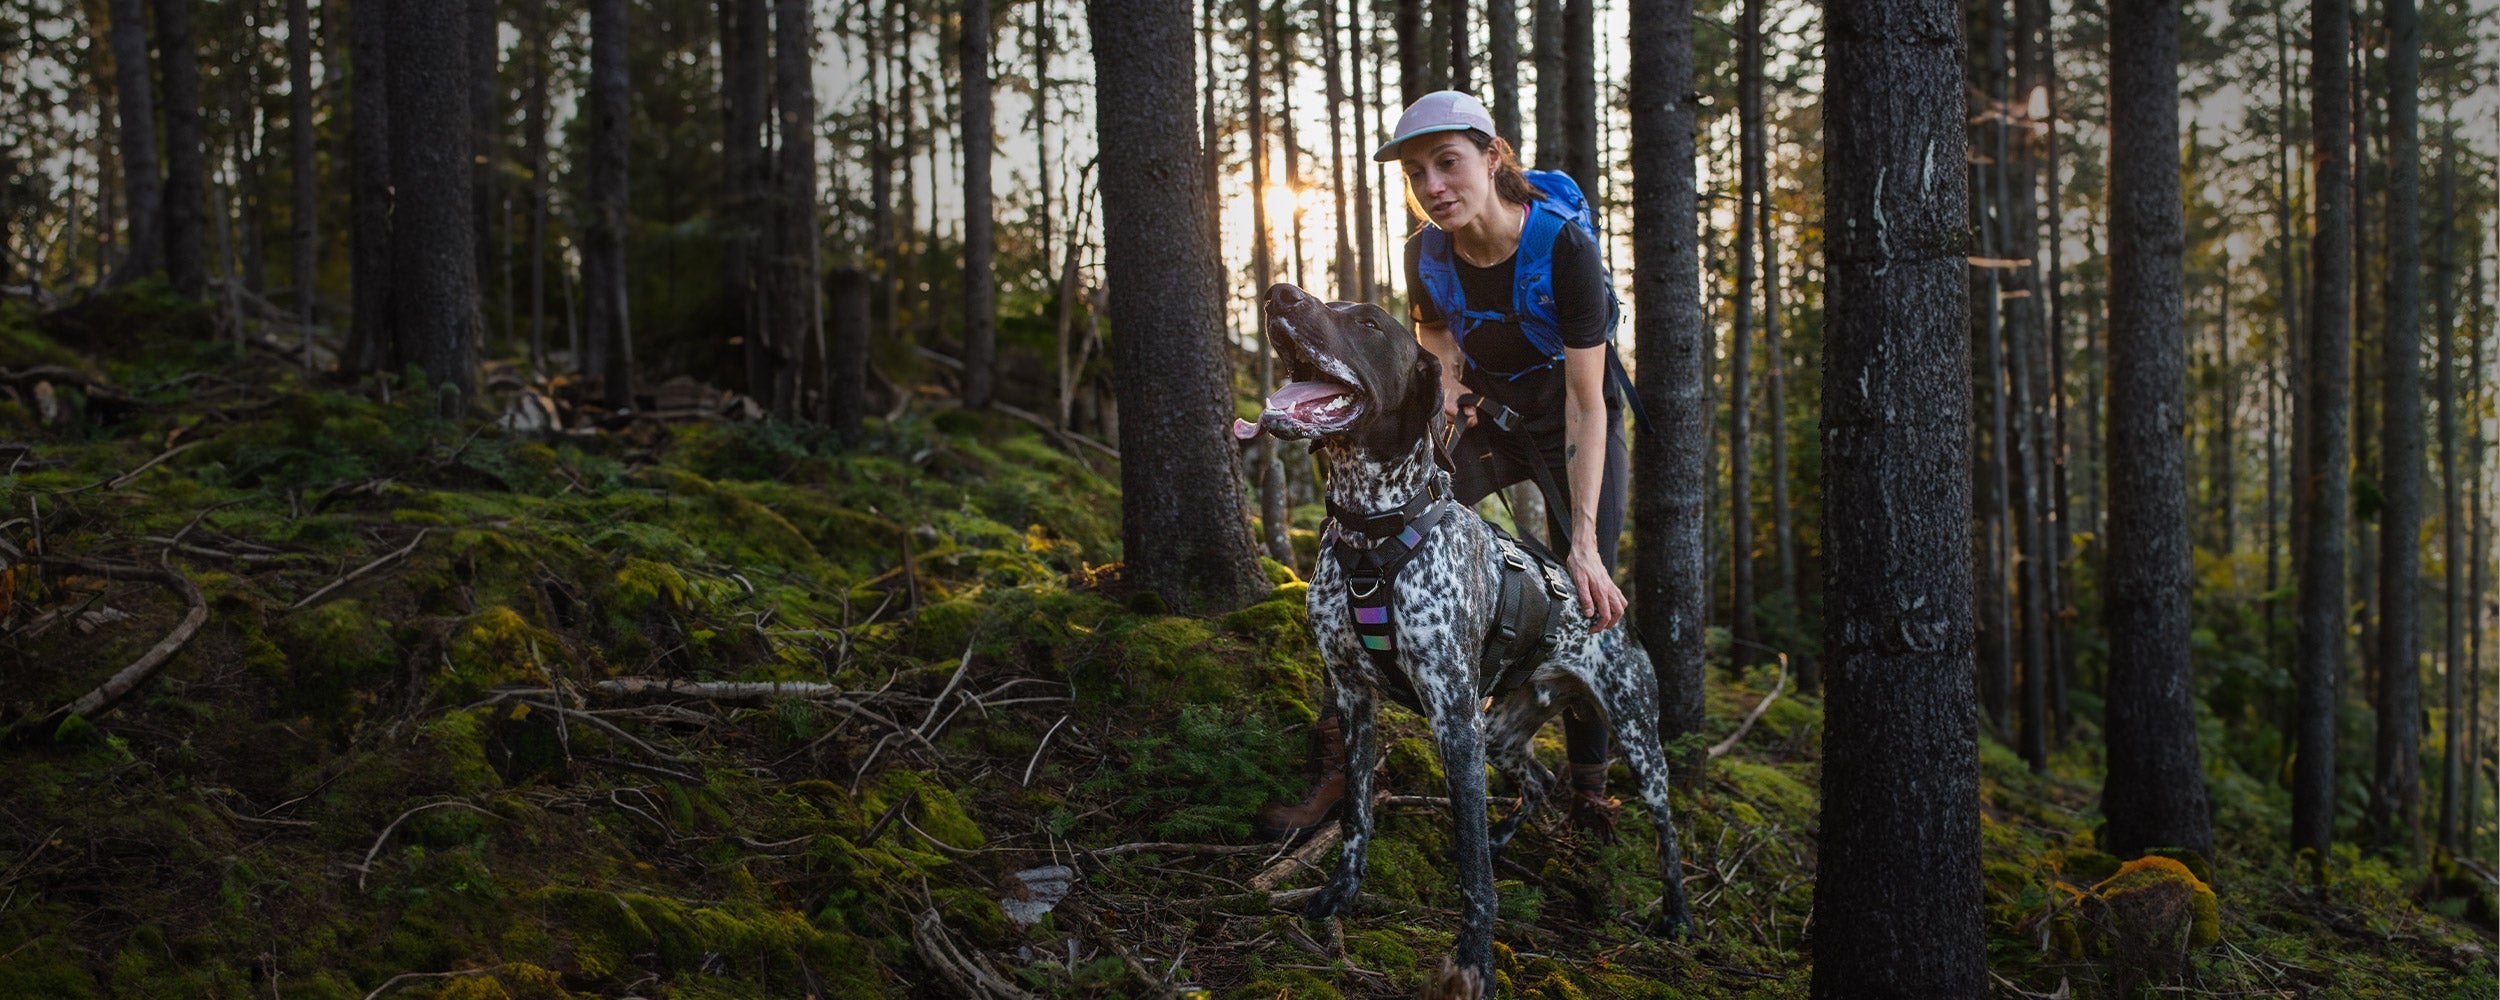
x=1336, y=900
x=1453, y=982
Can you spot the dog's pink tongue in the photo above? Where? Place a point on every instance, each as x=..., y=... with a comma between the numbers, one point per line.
x=1244, y=429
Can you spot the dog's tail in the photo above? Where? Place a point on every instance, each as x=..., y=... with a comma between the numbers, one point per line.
x=1451, y=982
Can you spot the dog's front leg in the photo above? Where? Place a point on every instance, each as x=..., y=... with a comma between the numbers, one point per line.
x=1460, y=729
x=1360, y=711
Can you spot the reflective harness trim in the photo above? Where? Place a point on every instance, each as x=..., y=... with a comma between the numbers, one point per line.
x=1518, y=637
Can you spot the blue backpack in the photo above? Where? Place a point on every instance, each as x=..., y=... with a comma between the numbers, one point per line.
x=1532, y=291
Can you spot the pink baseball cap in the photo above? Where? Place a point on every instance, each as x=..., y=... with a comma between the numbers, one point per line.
x=1439, y=111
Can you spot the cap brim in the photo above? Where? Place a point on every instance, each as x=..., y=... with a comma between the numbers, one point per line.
x=1389, y=153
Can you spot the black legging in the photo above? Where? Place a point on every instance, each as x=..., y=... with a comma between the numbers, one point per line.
x=1486, y=463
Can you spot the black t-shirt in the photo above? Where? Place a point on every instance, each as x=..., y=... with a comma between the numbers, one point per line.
x=1581, y=310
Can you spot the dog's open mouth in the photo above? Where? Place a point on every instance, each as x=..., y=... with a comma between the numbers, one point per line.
x=1304, y=409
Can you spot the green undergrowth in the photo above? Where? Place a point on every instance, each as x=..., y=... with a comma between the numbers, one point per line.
x=386, y=761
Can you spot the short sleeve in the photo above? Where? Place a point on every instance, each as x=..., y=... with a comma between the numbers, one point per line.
x=1581, y=289
x=1418, y=302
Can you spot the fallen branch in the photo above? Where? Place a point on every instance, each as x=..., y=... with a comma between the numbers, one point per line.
x=1166, y=848
x=366, y=868
x=1306, y=856
x=128, y=679
x=360, y=571
x=728, y=692
x=1037, y=751
x=1729, y=744
x=970, y=976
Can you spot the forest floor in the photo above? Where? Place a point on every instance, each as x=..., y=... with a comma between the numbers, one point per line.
x=436, y=734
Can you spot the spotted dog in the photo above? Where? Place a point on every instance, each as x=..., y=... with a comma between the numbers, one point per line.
x=1368, y=398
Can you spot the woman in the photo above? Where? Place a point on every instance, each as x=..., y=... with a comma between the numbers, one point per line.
x=1537, y=349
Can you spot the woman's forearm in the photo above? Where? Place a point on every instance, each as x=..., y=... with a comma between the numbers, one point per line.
x=1584, y=434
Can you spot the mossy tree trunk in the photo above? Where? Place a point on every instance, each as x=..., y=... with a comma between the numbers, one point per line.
x=1900, y=771
x=2154, y=795
x=1181, y=524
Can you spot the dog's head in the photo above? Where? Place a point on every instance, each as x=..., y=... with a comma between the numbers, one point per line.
x=1352, y=371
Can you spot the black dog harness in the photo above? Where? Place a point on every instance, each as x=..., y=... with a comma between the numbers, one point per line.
x=1513, y=645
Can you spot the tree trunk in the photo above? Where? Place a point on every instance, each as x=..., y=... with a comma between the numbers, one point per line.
x=1549, y=91
x=1270, y=470
x=1453, y=18
x=2479, y=550
x=433, y=273
x=1343, y=278
x=485, y=119
x=1362, y=167
x=746, y=92
x=608, y=331
x=1579, y=28
x=371, y=342
x=1501, y=21
x=534, y=133
x=2452, y=547
x=2155, y=792
x=1180, y=475
x=1414, y=57
x=1743, y=650
x=186, y=176
x=2318, y=653
x=846, y=347
x=980, y=279
x=2396, y=785
x=1900, y=764
x=1775, y=403
x=797, y=309
x=303, y=181
x=1671, y=455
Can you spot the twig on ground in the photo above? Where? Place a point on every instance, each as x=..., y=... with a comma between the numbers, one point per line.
x=128, y=679
x=1170, y=848
x=1306, y=856
x=361, y=570
x=1729, y=744
x=1037, y=751
x=970, y=976
x=366, y=868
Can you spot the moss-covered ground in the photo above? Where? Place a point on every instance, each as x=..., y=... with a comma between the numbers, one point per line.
x=394, y=760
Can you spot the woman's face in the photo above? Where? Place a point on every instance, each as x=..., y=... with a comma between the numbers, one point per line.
x=1449, y=177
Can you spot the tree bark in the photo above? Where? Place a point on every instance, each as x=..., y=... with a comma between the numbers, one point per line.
x=980, y=247
x=534, y=133
x=1270, y=471
x=1671, y=455
x=433, y=270
x=1740, y=343
x=2318, y=654
x=370, y=339
x=2396, y=780
x=1365, y=251
x=304, y=182
x=1579, y=28
x=1501, y=21
x=746, y=93
x=1414, y=57
x=485, y=119
x=1453, y=19
x=2154, y=795
x=846, y=348
x=2452, y=547
x=608, y=331
x=797, y=311
x=186, y=174
x=1343, y=278
x=1900, y=771
x=1185, y=537
x=1548, y=53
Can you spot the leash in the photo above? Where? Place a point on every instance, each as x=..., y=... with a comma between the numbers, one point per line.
x=1557, y=496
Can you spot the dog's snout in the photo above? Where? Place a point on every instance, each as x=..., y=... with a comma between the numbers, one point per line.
x=1283, y=295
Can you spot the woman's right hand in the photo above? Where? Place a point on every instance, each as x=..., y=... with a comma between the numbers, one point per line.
x=1452, y=390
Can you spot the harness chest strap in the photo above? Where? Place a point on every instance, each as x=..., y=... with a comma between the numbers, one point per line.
x=1523, y=610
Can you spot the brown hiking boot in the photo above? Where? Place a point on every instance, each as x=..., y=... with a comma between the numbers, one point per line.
x=1591, y=808
x=1326, y=778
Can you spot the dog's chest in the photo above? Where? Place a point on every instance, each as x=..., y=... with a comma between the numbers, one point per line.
x=1434, y=595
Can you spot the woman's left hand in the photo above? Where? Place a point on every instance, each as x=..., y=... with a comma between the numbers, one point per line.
x=1600, y=599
